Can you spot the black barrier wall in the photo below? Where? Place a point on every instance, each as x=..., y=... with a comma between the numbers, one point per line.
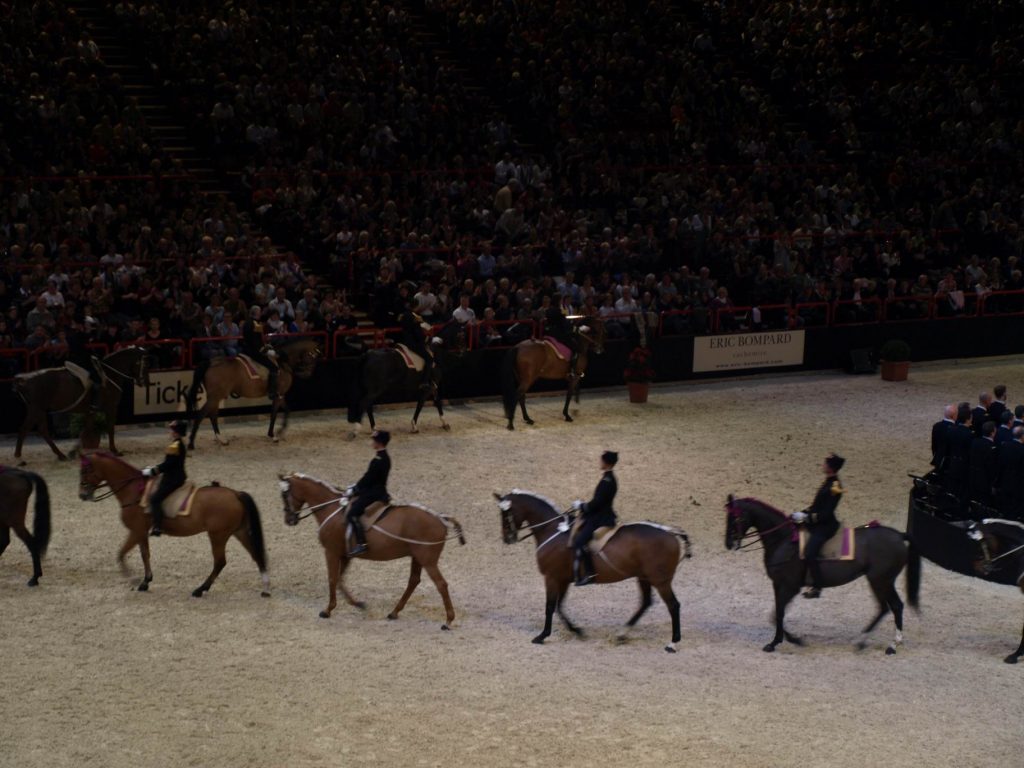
x=476, y=373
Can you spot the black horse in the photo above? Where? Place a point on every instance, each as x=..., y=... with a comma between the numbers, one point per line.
x=383, y=372
x=881, y=553
x=16, y=485
x=1000, y=557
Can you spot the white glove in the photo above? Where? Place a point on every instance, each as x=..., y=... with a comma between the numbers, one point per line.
x=577, y=505
x=584, y=329
x=798, y=517
x=148, y=472
x=272, y=353
x=437, y=340
x=349, y=490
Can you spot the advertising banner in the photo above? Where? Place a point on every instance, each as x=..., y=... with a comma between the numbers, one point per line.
x=166, y=395
x=736, y=351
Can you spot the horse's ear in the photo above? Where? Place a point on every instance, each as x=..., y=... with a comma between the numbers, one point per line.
x=729, y=500
x=498, y=496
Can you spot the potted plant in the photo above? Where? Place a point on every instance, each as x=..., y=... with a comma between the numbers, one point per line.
x=638, y=374
x=88, y=427
x=895, y=358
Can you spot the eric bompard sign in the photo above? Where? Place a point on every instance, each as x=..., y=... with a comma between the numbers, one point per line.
x=736, y=351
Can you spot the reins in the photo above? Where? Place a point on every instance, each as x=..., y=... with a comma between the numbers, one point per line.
x=760, y=536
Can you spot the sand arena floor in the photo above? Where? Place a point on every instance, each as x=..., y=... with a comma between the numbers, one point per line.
x=95, y=674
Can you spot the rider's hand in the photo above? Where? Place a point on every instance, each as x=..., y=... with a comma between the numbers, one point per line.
x=577, y=505
x=148, y=472
x=798, y=517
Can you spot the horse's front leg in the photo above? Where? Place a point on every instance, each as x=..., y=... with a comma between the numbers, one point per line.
x=273, y=418
x=421, y=398
x=550, y=604
x=147, y=571
x=333, y=568
x=568, y=398
x=783, y=594
x=1013, y=657
x=440, y=410
x=111, y=421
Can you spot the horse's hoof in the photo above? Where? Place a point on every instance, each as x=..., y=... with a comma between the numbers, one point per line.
x=414, y=430
x=275, y=439
x=197, y=592
x=144, y=587
x=621, y=639
x=191, y=446
x=1011, y=659
x=61, y=457
x=670, y=648
x=861, y=645
x=445, y=628
x=392, y=616
x=446, y=427
x=568, y=417
x=118, y=453
x=33, y=582
x=325, y=614
x=528, y=421
x=769, y=648
x=538, y=640
x=510, y=428
x=264, y=594
x=890, y=651
x=795, y=640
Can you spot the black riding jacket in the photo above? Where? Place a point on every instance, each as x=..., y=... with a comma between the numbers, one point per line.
x=375, y=480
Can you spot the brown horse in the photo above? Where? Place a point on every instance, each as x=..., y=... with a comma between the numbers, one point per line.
x=228, y=377
x=404, y=530
x=221, y=512
x=881, y=553
x=648, y=552
x=1000, y=557
x=16, y=486
x=532, y=359
x=57, y=390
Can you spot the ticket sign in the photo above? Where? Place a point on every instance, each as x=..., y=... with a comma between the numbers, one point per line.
x=166, y=394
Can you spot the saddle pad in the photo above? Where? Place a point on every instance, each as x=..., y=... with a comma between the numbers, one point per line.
x=561, y=351
x=842, y=546
x=254, y=369
x=601, y=535
x=412, y=360
x=178, y=504
x=373, y=513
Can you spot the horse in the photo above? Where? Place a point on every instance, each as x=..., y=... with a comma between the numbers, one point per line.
x=229, y=376
x=880, y=554
x=535, y=359
x=1000, y=553
x=383, y=371
x=16, y=485
x=648, y=552
x=219, y=511
x=58, y=390
x=404, y=530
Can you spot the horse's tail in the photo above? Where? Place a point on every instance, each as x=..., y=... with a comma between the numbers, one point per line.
x=681, y=534
x=259, y=546
x=358, y=389
x=456, y=526
x=41, y=522
x=509, y=383
x=193, y=391
x=913, y=572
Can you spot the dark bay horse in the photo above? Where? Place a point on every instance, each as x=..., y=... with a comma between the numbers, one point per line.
x=1000, y=557
x=227, y=377
x=881, y=553
x=533, y=359
x=16, y=485
x=405, y=530
x=219, y=511
x=383, y=372
x=647, y=552
x=57, y=390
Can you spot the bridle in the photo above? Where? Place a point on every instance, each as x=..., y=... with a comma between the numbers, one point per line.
x=292, y=516
x=976, y=533
x=741, y=531
x=509, y=524
x=86, y=464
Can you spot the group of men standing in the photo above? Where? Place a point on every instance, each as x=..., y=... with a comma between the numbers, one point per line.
x=978, y=454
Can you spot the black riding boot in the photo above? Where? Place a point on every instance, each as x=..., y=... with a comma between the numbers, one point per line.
x=815, y=590
x=158, y=518
x=360, y=547
x=272, y=384
x=584, y=567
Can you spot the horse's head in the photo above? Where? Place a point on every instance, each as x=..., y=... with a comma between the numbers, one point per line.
x=99, y=469
x=511, y=518
x=88, y=479
x=291, y=505
x=131, y=363
x=301, y=356
x=595, y=334
x=736, y=523
x=524, y=510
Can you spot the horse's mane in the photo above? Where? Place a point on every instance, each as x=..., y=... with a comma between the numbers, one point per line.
x=112, y=457
x=537, y=496
x=329, y=486
x=752, y=501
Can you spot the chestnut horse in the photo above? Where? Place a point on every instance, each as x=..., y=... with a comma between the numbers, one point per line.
x=881, y=553
x=16, y=486
x=227, y=377
x=648, y=552
x=57, y=390
x=405, y=530
x=534, y=359
x=1000, y=557
x=219, y=511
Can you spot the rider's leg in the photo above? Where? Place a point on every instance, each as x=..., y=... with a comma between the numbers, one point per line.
x=355, y=511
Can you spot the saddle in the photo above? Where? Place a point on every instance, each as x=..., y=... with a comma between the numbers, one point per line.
x=601, y=535
x=372, y=514
x=842, y=546
x=79, y=373
x=561, y=351
x=178, y=504
x=254, y=369
x=412, y=360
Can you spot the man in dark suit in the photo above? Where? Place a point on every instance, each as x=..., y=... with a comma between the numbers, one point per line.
x=372, y=486
x=983, y=465
x=1010, y=475
x=1018, y=416
x=941, y=430
x=1004, y=432
x=597, y=513
x=960, y=453
x=980, y=413
x=998, y=405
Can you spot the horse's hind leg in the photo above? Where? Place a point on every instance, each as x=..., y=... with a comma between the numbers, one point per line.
x=414, y=579
x=440, y=411
x=218, y=543
x=442, y=586
x=568, y=398
x=645, y=603
x=30, y=543
x=215, y=423
x=894, y=602
x=421, y=398
x=44, y=430
x=665, y=590
x=522, y=406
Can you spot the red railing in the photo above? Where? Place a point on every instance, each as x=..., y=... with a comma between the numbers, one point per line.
x=21, y=355
x=1001, y=303
x=687, y=313
x=857, y=311
x=741, y=318
x=805, y=314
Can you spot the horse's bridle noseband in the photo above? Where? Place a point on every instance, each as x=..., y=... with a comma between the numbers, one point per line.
x=756, y=537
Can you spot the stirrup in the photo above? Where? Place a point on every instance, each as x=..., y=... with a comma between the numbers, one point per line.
x=812, y=593
x=156, y=530
x=586, y=578
x=357, y=550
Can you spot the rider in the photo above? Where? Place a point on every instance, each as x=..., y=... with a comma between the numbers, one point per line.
x=821, y=519
x=171, y=471
x=254, y=341
x=596, y=513
x=558, y=325
x=79, y=354
x=414, y=329
x=372, y=486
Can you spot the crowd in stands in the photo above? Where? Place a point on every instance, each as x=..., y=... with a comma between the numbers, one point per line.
x=684, y=156
x=978, y=455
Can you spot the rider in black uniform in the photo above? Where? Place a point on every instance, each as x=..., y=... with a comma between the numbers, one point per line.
x=253, y=342
x=80, y=355
x=171, y=472
x=596, y=513
x=413, y=336
x=560, y=327
x=821, y=519
x=372, y=486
